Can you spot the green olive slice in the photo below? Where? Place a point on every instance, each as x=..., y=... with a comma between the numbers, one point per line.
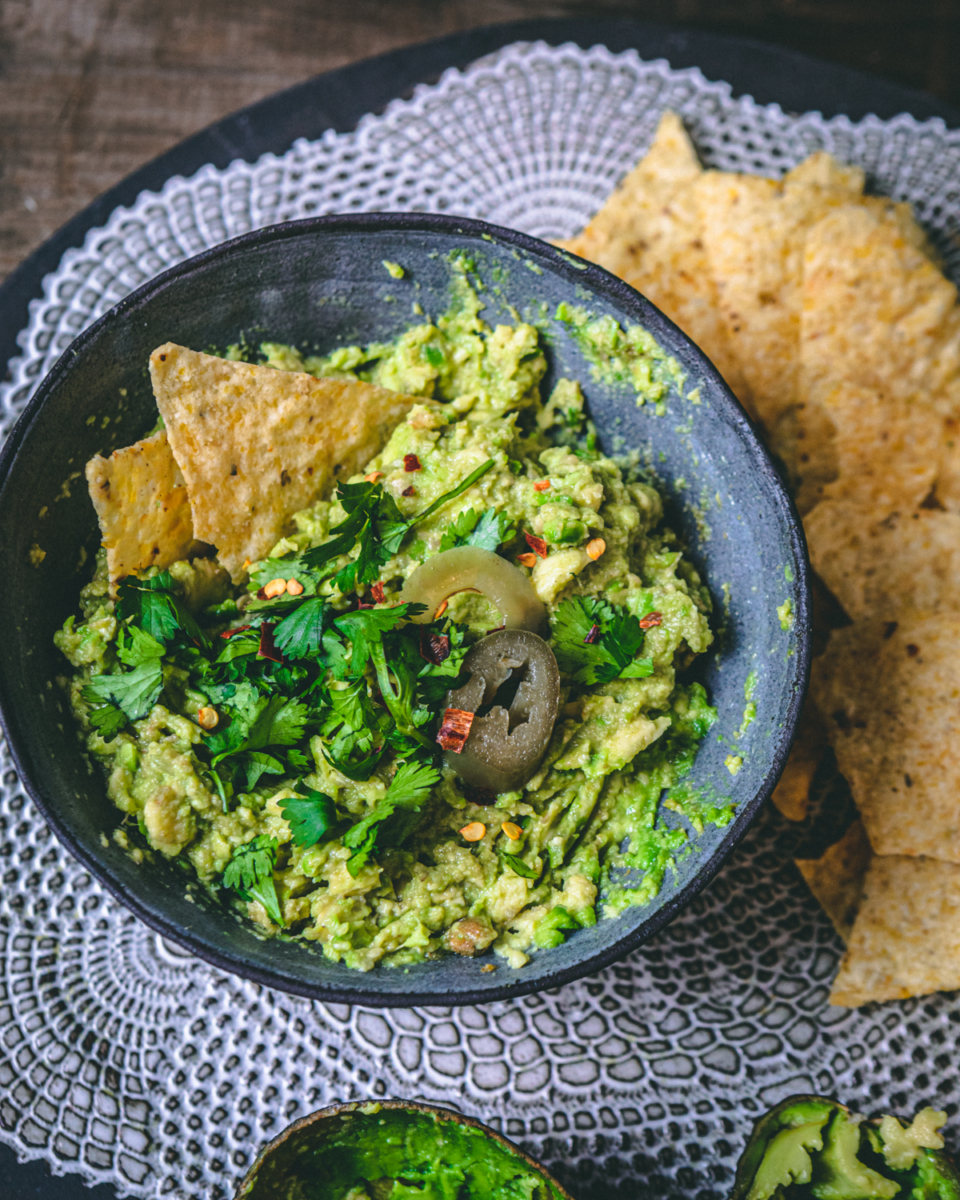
x=468, y=568
x=506, y=745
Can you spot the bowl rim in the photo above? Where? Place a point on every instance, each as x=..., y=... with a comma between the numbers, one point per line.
x=632, y=305
x=434, y=1110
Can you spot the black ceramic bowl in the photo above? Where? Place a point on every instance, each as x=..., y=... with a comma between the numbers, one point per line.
x=322, y=283
x=299, y=1160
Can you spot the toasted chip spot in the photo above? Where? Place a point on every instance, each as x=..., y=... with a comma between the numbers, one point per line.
x=527, y=560
x=536, y=544
x=542, y=485
x=595, y=548
x=221, y=414
x=141, y=502
x=276, y=587
x=294, y=587
x=454, y=729
x=473, y=832
x=651, y=620
x=208, y=718
x=513, y=832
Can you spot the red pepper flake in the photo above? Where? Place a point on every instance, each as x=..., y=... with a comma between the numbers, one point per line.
x=377, y=592
x=444, y=604
x=268, y=647
x=410, y=491
x=455, y=729
x=361, y=604
x=434, y=647
x=536, y=544
x=237, y=629
x=527, y=560
x=592, y=636
x=651, y=620
x=542, y=485
x=411, y=463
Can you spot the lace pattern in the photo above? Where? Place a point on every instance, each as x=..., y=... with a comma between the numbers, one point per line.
x=129, y=1061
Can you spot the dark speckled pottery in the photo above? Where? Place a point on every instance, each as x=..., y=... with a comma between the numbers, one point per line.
x=294, y=1159
x=321, y=283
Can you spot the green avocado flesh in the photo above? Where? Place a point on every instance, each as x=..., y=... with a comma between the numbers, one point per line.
x=815, y=1149
x=292, y=808
x=395, y=1155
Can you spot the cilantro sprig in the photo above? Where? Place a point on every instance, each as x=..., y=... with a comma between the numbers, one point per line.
x=311, y=817
x=488, y=530
x=595, y=642
x=250, y=874
x=393, y=817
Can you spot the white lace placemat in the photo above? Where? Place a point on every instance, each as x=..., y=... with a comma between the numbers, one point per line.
x=126, y=1060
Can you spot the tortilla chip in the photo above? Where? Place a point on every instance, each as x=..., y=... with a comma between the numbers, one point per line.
x=256, y=445
x=648, y=234
x=753, y=230
x=881, y=569
x=836, y=877
x=875, y=451
x=888, y=692
x=906, y=937
x=877, y=312
x=792, y=793
x=142, y=506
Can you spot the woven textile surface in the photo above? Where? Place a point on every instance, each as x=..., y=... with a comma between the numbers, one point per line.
x=130, y=1062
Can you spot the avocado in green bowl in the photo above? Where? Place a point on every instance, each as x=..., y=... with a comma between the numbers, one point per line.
x=392, y=1150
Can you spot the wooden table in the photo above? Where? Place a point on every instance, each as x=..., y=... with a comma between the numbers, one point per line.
x=91, y=89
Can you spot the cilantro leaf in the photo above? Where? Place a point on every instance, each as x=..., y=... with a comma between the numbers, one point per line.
x=256, y=763
x=365, y=627
x=135, y=647
x=300, y=634
x=136, y=692
x=470, y=528
x=250, y=874
x=154, y=605
x=517, y=865
x=310, y=817
x=461, y=487
x=108, y=720
x=598, y=656
x=390, y=820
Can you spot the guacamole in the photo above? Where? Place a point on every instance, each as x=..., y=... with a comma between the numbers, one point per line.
x=282, y=736
x=375, y=1152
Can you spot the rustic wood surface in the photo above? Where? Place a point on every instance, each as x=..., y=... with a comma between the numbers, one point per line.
x=91, y=89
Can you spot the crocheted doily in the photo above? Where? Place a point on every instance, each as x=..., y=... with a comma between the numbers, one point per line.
x=126, y=1060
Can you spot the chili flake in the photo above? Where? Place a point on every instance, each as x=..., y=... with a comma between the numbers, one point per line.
x=592, y=636
x=434, y=647
x=455, y=729
x=377, y=592
x=410, y=491
x=294, y=587
x=473, y=832
x=513, y=832
x=651, y=620
x=595, y=548
x=268, y=647
x=411, y=463
x=527, y=560
x=538, y=545
x=541, y=485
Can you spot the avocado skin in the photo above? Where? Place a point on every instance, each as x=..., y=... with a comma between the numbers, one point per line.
x=933, y=1177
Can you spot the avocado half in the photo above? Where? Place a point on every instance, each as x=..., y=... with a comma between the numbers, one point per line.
x=814, y=1148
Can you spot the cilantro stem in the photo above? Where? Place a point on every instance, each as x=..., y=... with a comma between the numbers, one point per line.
x=394, y=702
x=461, y=487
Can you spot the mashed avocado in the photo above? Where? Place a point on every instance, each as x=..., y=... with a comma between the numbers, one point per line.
x=258, y=735
x=376, y=1153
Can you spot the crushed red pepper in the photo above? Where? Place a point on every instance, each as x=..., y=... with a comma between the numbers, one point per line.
x=455, y=729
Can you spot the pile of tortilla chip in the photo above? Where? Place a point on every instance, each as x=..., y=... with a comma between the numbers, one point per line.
x=243, y=448
x=826, y=311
